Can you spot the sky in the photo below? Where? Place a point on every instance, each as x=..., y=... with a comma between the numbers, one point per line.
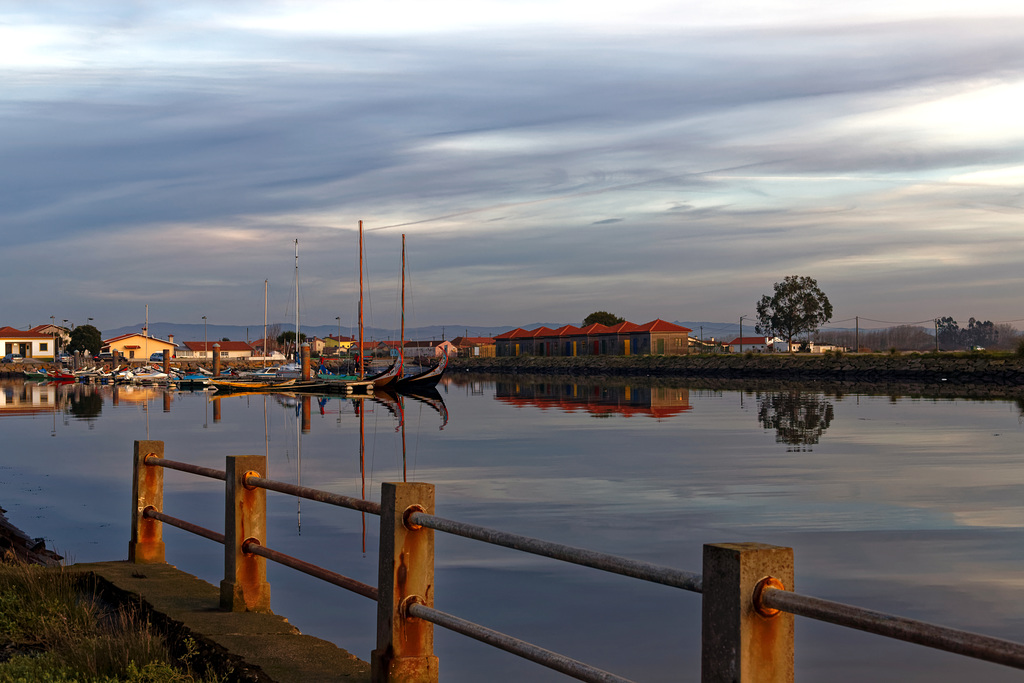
x=544, y=159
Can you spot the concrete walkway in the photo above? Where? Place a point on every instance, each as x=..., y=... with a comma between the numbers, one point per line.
x=241, y=646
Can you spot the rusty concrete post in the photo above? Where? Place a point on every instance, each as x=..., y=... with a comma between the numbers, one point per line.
x=245, y=587
x=216, y=409
x=216, y=360
x=306, y=374
x=739, y=643
x=167, y=361
x=167, y=401
x=405, y=645
x=147, y=541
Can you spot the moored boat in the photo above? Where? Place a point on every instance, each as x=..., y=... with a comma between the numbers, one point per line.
x=427, y=378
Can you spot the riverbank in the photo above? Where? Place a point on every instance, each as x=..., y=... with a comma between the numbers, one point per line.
x=937, y=369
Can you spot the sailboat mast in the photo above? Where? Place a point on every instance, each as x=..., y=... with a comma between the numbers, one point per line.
x=362, y=369
x=296, y=300
x=401, y=348
x=266, y=285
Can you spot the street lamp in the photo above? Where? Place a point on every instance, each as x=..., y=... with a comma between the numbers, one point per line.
x=206, y=350
x=338, y=318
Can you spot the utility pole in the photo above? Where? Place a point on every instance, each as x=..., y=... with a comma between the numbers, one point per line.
x=741, y=333
x=857, y=336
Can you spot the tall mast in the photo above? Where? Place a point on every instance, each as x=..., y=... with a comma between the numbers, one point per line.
x=362, y=369
x=296, y=300
x=266, y=285
x=401, y=348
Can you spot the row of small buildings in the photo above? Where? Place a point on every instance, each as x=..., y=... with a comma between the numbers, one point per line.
x=623, y=339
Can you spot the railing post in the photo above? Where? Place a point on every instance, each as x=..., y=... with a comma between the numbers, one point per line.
x=245, y=587
x=739, y=643
x=405, y=645
x=147, y=545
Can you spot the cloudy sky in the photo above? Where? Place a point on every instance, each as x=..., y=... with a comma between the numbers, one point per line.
x=545, y=159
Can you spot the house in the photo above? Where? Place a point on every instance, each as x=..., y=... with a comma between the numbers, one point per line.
x=28, y=343
x=811, y=347
x=621, y=339
x=136, y=345
x=203, y=350
x=429, y=349
x=61, y=335
x=479, y=347
x=755, y=344
x=337, y=345
x=316, y=345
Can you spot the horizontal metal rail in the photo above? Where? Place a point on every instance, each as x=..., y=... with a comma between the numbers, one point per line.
x=313, y=570
x=186, y=467
x=982, y=647
x=315, y=494
x=551, y=660
x=182, y=524
x=615, y=564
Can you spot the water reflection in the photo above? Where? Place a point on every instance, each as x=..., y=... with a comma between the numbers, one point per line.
x=913, y=496
x=598, y=399
x=798, y=418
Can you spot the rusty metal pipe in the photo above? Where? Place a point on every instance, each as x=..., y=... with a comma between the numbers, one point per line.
x=944, y=638
x=587, y=558
x=186, y=526
x=552, y=660
x=315, y=494
x=313, y=570
x=186, y=467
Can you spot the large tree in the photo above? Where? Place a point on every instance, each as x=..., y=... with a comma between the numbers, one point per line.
x=796, y=306
x=602, y=318
x=85, y=338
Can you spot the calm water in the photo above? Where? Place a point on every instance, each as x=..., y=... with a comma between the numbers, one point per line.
x=910, y=506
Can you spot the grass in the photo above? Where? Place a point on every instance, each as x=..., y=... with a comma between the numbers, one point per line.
x=55, y=629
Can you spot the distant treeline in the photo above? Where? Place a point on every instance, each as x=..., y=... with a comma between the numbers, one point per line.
x=951, y=337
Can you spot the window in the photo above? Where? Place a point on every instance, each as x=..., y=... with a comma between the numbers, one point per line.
x=42, y=346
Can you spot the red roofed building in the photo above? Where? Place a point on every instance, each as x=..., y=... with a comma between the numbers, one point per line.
x=755, y=344
x=478, y=347
x=622, y=339
x=198, y=350
x=28, y=343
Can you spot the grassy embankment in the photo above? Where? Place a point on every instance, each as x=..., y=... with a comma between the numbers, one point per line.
x=54, y=628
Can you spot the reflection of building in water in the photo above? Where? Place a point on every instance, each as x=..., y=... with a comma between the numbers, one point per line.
x=658, y=402
x=28, y=398
x=799, y=419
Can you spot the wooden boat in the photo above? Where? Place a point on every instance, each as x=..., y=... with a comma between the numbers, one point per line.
x=229, y=386
x=191, y=381
x=427, y=378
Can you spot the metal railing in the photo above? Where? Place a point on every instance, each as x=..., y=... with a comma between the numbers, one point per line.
x=747, y=612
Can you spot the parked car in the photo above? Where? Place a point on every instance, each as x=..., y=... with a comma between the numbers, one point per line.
x=106, y=355
x=13, y=358
x=158, y=356
x=64, y=358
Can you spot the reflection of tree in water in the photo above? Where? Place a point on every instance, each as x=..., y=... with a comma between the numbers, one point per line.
x=798, y=419
x=85, y=406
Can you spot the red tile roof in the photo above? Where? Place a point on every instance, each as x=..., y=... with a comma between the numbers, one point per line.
x=659, y=325
x=224, y=346
x=8, y=332
x=518, y=332
x=563, y=331
x=747, y=340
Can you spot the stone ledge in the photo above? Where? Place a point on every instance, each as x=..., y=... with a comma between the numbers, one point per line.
x=241, y=646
